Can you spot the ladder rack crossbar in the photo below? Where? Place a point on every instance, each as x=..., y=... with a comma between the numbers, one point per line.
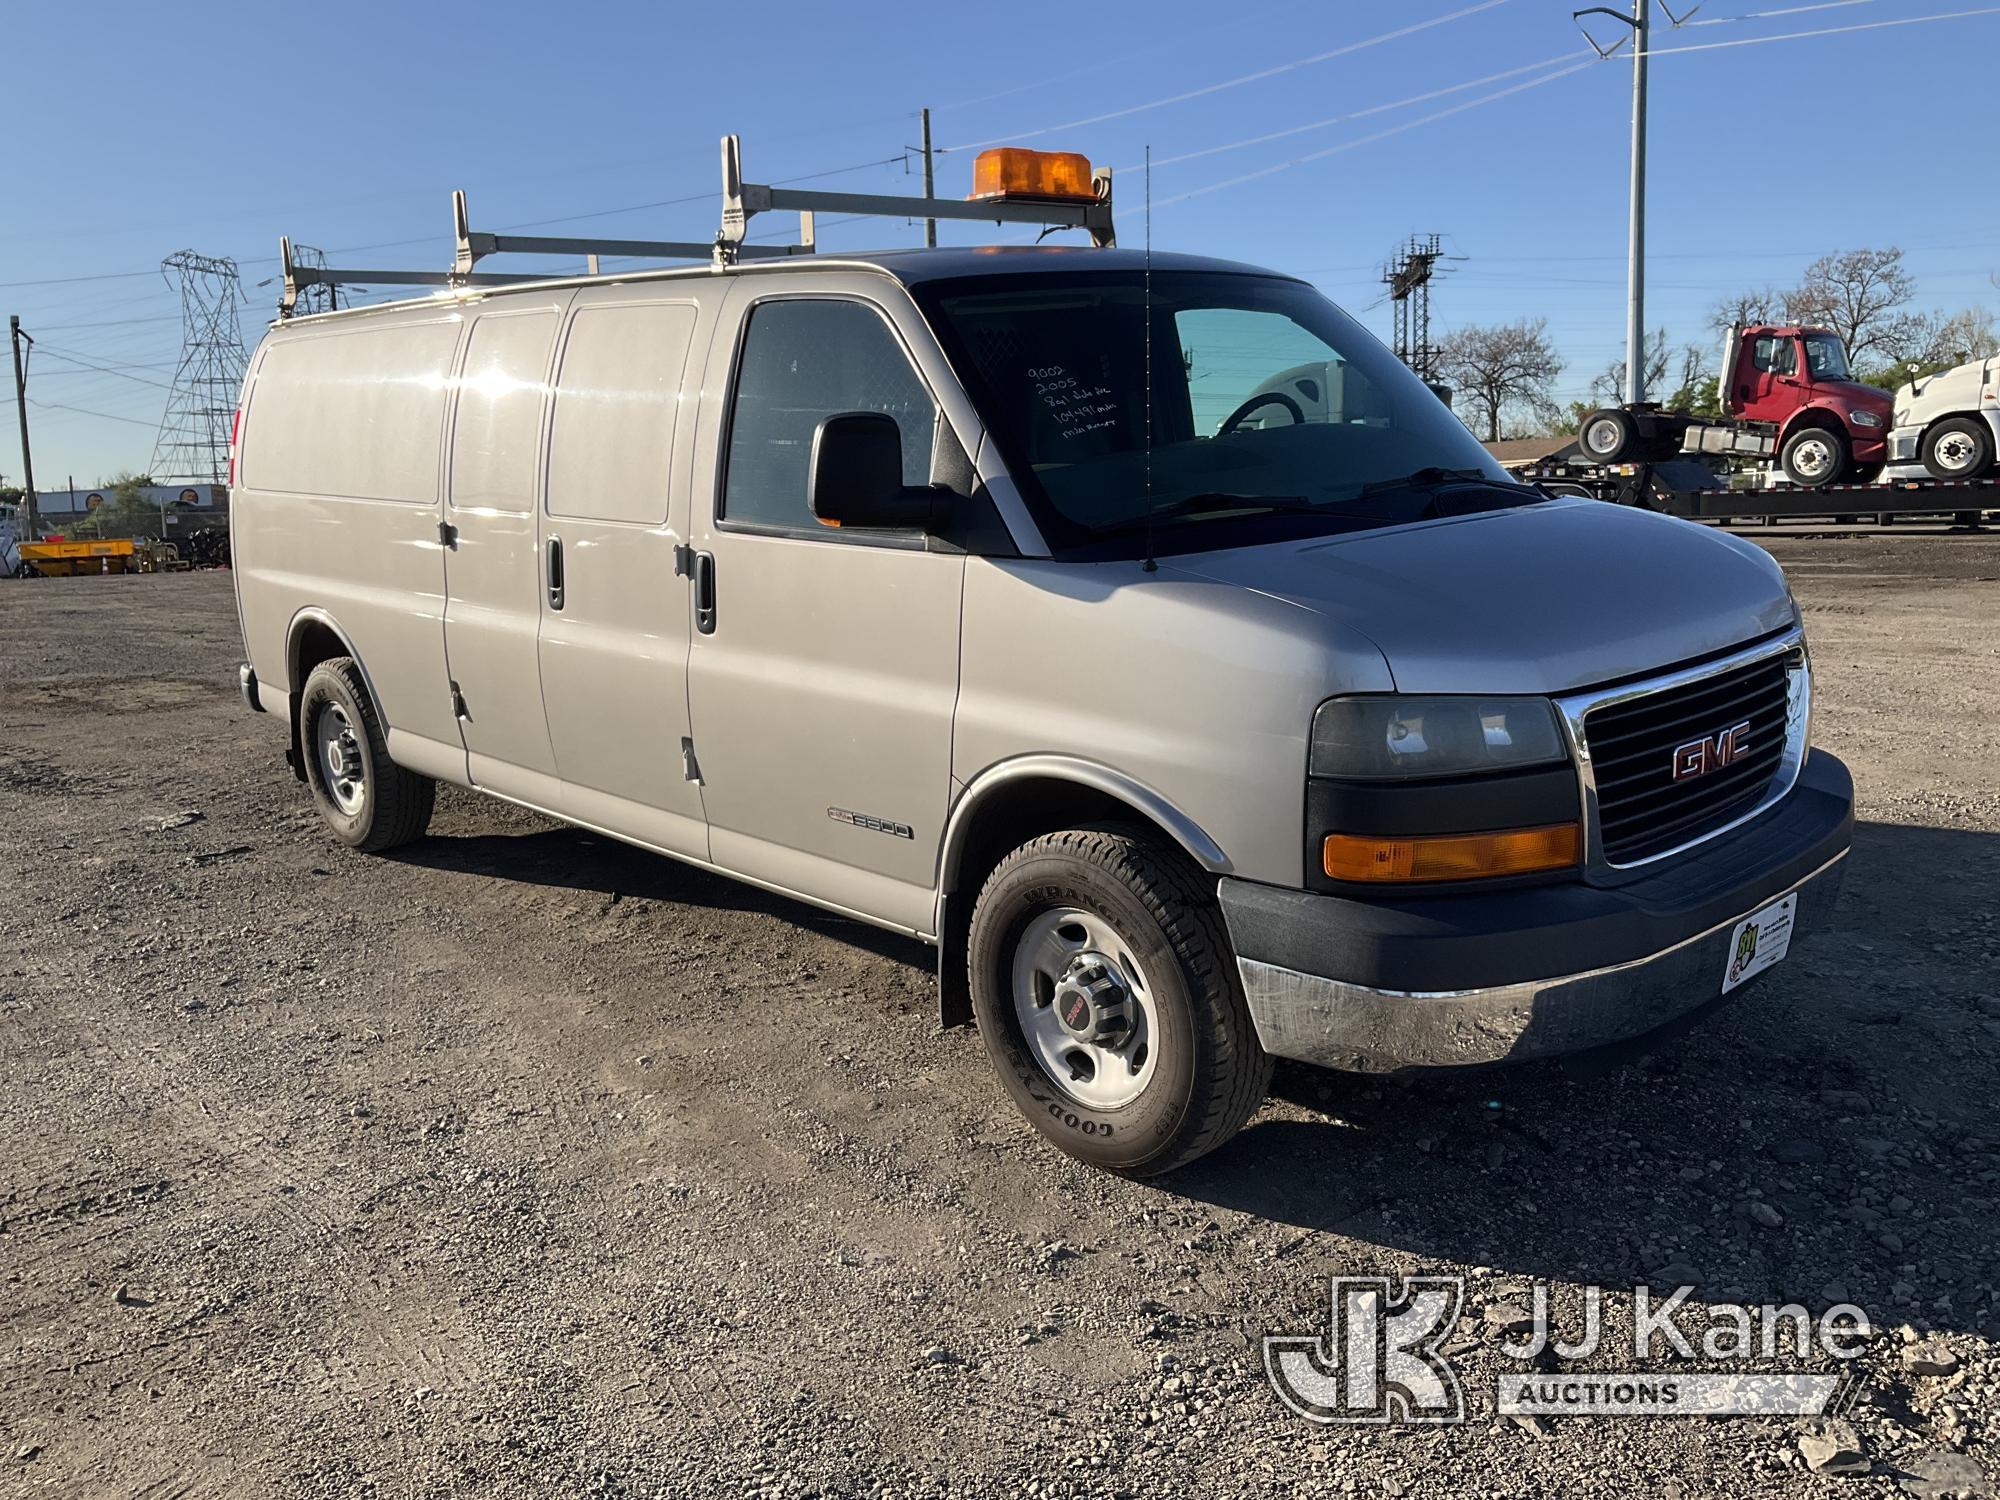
x=741, y=201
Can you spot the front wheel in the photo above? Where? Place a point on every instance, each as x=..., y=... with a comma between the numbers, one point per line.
x=369, y=801
x=1960, y=448
x=1814, y=457
x=1104, y=986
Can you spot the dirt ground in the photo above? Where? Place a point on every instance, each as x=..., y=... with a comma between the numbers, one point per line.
x=521, y=1163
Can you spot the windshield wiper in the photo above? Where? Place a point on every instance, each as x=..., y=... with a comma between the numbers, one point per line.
x=1431, y=480
x=1220, y=502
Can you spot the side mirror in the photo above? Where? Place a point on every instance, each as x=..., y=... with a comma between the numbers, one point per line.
x=856, y=475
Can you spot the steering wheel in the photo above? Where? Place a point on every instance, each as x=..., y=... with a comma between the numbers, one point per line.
x=1260, y=400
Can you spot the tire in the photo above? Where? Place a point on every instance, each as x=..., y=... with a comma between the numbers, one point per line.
x=1608, y=436
x=376, y=804
x=1128, y=919
x=1814, y=457
x=1958, y=448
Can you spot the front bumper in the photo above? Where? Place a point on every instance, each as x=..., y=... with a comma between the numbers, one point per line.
x=1533, y=971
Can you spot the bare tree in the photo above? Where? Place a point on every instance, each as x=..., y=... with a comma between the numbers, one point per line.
x=1609, y=386
x=1758, y=305
x=1507, y=368
x=1860, y=295
x=1967, y=334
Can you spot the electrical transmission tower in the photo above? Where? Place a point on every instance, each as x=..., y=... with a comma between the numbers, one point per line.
x=193, y=445
x=1408, y=278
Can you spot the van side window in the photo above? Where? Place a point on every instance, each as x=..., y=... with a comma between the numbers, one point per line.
x=617, y=399
x=1776, y=355
x=498, y=428
x=354, y=413
x=803, y=361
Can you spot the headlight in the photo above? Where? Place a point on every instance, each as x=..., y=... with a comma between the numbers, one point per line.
x=1373, y=739
x=1866, y=418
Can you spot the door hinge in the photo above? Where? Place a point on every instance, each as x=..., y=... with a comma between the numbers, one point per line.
x=447, y=534
x=683, y=559
x=690, y=768
x=458, y=703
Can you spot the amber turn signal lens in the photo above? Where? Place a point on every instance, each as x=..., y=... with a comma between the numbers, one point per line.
x=1464, y=856
x=1016, y=172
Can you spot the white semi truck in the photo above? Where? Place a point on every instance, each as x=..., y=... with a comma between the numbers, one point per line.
x=1947, y=425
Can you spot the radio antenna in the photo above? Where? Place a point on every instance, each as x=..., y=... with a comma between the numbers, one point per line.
x=1146, y=299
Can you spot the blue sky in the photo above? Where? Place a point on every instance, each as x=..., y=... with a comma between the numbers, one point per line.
x=140, y=130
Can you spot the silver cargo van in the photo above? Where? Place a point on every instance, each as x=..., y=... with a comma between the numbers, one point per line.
x=1135, y=629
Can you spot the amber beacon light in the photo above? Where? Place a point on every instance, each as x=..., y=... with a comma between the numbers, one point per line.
x=1016, y=172
x=1467, y=856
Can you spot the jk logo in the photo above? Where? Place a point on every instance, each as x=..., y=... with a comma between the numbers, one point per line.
x=1378, y=1360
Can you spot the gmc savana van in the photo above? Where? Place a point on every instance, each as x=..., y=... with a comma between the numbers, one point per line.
x=1135, y=629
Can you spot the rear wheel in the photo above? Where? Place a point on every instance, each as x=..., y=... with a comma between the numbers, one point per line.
x=1958, y=448
x=369, y=801
x=1814, y=457
x=1608, y=436
x=1105, y=989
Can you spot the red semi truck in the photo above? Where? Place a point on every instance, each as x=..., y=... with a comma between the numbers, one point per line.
x=1785, y=391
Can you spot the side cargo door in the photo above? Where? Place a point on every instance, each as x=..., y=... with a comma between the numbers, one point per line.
x=614, y=631
x=493, y=561
x=824, y=669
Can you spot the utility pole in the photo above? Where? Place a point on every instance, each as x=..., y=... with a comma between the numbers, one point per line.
x=1635, y=272
x=930, y=225
x=1641, y=23
x=27, y=528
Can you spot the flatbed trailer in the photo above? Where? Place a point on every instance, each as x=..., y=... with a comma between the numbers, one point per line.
x=1695, y=492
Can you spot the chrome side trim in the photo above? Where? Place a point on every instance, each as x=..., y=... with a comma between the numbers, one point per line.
x=1574, y=707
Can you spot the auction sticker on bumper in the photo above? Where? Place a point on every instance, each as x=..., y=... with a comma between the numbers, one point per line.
x=1759, y=941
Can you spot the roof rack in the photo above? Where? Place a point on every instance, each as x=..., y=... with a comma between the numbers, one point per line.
x=741, y=201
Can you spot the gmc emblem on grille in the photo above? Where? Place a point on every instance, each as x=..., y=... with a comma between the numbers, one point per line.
x=1699, y=757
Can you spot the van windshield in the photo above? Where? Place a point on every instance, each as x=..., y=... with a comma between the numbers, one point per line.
x=1272, y=413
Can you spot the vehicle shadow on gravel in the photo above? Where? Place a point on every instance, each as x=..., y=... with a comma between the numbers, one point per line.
x=1826, y=1138
x=575, y=859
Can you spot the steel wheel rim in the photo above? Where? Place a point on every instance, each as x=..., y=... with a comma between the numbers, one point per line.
x=1602, y=437
x=1058, y=955
x=1953, y=451
x=339, y=750
x=1813, y=457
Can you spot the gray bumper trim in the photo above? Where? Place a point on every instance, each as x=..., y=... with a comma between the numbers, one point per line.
x=246, y=683
x=1341, y=1025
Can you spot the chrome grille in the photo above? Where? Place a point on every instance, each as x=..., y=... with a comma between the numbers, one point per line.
x=1642, y=809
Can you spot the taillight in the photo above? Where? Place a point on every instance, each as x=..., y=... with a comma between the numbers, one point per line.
x=235, y=432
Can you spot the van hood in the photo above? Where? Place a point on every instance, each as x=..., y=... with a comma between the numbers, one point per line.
x=1543, y=598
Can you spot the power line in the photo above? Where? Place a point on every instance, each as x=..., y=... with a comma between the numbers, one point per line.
x=1796, y=36
x=1231, y=83
x=1362, y=114
x=107, y=416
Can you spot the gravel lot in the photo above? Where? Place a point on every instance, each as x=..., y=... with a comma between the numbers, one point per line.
x=525, y=1164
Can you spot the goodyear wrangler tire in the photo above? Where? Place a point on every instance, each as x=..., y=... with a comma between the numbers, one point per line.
x=369, y=801
x=1104, y=986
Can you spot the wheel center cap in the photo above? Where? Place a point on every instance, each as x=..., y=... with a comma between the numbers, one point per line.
x=1092, y=1002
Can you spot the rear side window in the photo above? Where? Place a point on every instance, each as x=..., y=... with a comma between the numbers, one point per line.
x=617, y=403
x=803, y=361
x=498, y=427
x=356, y=413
